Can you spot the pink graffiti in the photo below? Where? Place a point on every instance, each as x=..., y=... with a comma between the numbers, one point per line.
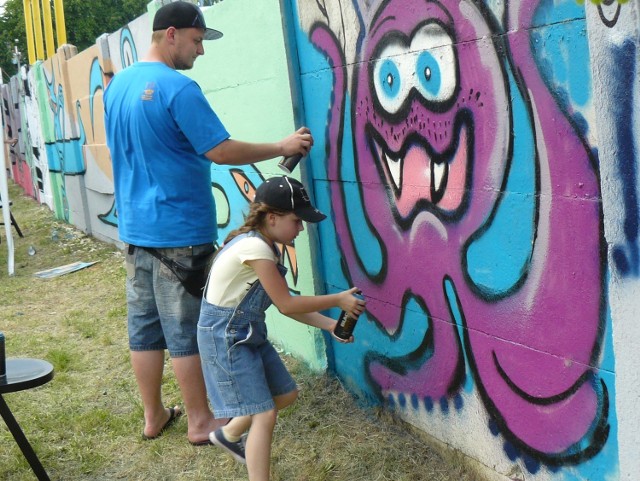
x=431, y=163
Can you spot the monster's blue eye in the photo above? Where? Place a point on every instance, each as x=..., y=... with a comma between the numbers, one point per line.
x=435, y=63
x=428, y=73
x=389, y=79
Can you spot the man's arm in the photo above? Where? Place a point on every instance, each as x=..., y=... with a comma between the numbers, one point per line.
x=236, y=152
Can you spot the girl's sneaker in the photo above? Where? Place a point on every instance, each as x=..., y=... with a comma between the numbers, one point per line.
x=234, y=449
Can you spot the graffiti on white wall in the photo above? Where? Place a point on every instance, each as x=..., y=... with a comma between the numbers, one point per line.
x=465, y=193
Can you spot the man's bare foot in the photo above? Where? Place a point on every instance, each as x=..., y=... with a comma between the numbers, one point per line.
x=200, y=436
x=172, y=415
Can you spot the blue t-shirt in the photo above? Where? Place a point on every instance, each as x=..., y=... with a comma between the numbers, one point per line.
x=159, y=126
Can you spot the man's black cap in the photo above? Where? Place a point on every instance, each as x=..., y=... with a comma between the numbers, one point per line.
x=183, y=15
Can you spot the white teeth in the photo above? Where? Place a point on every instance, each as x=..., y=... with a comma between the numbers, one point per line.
x=438, y=174
x=395, y=166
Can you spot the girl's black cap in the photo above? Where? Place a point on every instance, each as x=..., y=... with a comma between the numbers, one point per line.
x=288, y=194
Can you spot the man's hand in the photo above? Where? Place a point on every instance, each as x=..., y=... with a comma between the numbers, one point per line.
x=299, y=142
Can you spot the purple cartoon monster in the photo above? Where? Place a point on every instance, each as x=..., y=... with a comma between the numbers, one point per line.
x=433, y=141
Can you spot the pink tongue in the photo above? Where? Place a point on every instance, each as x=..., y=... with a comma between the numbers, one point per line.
x=417, y=167
x=416, y=180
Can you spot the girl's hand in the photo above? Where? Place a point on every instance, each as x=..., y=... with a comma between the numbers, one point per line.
x=322, y=322
x=350, y=303
x=339, y=339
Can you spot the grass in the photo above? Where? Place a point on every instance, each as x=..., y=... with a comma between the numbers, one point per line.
x=86, y=423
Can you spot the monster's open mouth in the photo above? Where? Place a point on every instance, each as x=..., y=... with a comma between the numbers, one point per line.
x=419, y=174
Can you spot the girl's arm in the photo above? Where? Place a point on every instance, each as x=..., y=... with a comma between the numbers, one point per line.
x=276, y=287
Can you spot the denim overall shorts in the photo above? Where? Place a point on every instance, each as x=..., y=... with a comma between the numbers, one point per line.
x=242, y=370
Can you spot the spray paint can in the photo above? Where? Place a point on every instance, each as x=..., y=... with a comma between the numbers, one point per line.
x=3, y=362
x=346, y=324
x=289, y=163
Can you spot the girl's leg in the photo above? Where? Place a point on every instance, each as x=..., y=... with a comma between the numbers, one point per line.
x=229, y=437
x=258, y=447
x=285, y=400
x=236, y=427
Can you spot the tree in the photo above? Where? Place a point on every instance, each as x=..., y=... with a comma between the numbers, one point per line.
x=11, y=28
x=85, y=21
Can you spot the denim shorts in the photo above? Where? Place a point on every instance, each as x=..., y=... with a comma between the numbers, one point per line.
x=161, y=313
x=242, y=370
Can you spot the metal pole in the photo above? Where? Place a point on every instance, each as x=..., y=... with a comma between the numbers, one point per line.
x=4, y=194
x=17, y=55
x=48, y=28
x=61, y=29
x=28, y=26
x=37, y=23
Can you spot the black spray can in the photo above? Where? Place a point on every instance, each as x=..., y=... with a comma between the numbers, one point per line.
x=3, y=363
x=289, y=163
x=346, y=324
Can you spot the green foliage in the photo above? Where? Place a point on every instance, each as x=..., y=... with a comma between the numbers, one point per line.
x=85, y=21
x=11, y=29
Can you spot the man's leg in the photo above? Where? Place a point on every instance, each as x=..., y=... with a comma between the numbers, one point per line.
x=200, y=419
x=148, y=367
x=179, y=313
x=146, y=341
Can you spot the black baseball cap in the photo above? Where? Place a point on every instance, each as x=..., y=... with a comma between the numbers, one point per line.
x=183, y=15
x=288, y=194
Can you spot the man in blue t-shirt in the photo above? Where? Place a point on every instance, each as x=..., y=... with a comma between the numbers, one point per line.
x=163, y=136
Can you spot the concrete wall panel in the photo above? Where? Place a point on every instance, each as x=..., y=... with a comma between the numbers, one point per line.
x=613, y=42
x=460, y=165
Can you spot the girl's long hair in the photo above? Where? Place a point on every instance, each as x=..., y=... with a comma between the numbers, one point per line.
x=254, y=220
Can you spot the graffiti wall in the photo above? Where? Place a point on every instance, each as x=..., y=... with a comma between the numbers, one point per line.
x=17, y=164
x=461, y=166
x=35, y=149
